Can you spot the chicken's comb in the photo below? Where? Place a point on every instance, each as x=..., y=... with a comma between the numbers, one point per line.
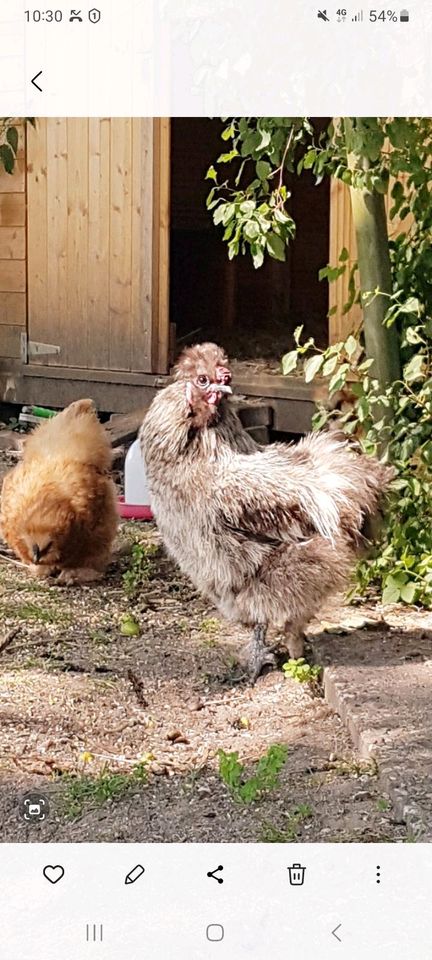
x=206, y=356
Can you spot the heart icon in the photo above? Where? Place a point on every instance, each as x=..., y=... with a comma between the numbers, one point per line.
x=53, y=874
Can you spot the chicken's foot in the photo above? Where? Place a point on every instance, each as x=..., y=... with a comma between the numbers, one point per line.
x=259, y=654
x=70, y=578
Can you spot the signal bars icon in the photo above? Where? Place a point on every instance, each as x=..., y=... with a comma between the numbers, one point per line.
x=358, y=17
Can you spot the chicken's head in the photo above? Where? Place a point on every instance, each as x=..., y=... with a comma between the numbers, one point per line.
x=207, y=378
x=44, y=532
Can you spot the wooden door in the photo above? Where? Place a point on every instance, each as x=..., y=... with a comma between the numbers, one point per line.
x=13, y=256
x=98, y=240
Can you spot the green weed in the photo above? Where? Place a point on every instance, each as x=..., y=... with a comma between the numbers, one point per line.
x=245, y=789
x=209, y=625
x=289, y=833
x=142, y=568
x=303, y=672
x=85, y=791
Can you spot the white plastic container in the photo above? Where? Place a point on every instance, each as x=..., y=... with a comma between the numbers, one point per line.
x=136, y=487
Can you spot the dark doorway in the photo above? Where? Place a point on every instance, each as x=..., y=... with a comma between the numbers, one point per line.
x=251, y=312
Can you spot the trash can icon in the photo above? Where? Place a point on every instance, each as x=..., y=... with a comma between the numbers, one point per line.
x=296, y=875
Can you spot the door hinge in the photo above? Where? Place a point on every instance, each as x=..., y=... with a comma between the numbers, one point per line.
x=32, y=348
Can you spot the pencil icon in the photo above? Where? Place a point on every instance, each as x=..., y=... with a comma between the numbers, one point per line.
x=134, y=874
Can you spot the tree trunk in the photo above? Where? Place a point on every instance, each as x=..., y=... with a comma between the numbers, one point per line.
x=381, y=342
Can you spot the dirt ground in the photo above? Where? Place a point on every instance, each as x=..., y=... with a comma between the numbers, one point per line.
x=122, y=732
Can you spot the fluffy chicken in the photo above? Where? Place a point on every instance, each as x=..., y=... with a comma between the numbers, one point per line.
x=58, y=506
x=266, y=533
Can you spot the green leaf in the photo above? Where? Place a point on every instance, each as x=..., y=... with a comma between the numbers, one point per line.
x=408, y=592
x=228, y=133
x=363, y=409
x=411, y=305
x=227, y=157
x=7, y=157
x=312, y=367
x=309, y=159
x=247, y=207
x=251, y=230
x=228, y=214
x=289, y=362
x=263, y=169
x=344, y=255
x=329, y=366
x=257, y=256
x=351, y=345
x=275, y=246
x=211, y=174
x=297, y=334
x=264, y=140
x=12, y=138
x=339, y=378
x=413, y=336
x=414, y=370
x=282, y=217
x=391, y=594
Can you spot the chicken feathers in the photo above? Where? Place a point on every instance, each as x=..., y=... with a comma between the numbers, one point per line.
x=265, y=533
x=58, y=506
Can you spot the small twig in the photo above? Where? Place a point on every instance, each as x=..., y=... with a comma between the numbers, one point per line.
x=138, y=688
x=17, y=563
x=7, y=640
x=190, y=334
x=280, y=169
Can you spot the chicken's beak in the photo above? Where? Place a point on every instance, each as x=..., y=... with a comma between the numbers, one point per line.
x=36, y=553
x=219, y=388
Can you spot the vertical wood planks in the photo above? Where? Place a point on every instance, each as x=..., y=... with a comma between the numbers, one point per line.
x=161, y=238
x=57, y=237
x=37, y=232
x=120, y=245
x=13, y=310
x=98, y=242
x=98, y=353
x=341, y=235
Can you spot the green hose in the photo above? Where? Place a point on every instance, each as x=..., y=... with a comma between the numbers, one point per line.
x=43, y=412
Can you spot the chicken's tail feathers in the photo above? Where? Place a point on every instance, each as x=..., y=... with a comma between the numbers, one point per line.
x=76, y=433
x=78, y=408
x=350, y=486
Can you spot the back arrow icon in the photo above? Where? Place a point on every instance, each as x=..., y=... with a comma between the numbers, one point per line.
x=34, y=81
x=334, y=932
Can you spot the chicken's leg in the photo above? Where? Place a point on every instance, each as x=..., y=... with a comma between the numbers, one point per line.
x=294, y=637
x=259, y=655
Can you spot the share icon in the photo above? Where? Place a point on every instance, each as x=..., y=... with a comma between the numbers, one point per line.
x=212, y=873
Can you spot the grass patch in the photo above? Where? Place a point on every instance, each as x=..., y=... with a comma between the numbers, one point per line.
x=31, y=611
x=209, y=625
x=142, y=568
x=100, y=638
x=245, y=789
x=289, y=833
x=87, y=792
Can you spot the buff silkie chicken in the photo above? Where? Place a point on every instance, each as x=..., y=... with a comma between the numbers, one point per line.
x=58, y=506
x=265, y=533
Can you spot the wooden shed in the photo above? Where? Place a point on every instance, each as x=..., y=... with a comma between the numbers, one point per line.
x=109, y=262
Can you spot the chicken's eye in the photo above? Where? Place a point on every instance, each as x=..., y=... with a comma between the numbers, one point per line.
x=202, y=380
